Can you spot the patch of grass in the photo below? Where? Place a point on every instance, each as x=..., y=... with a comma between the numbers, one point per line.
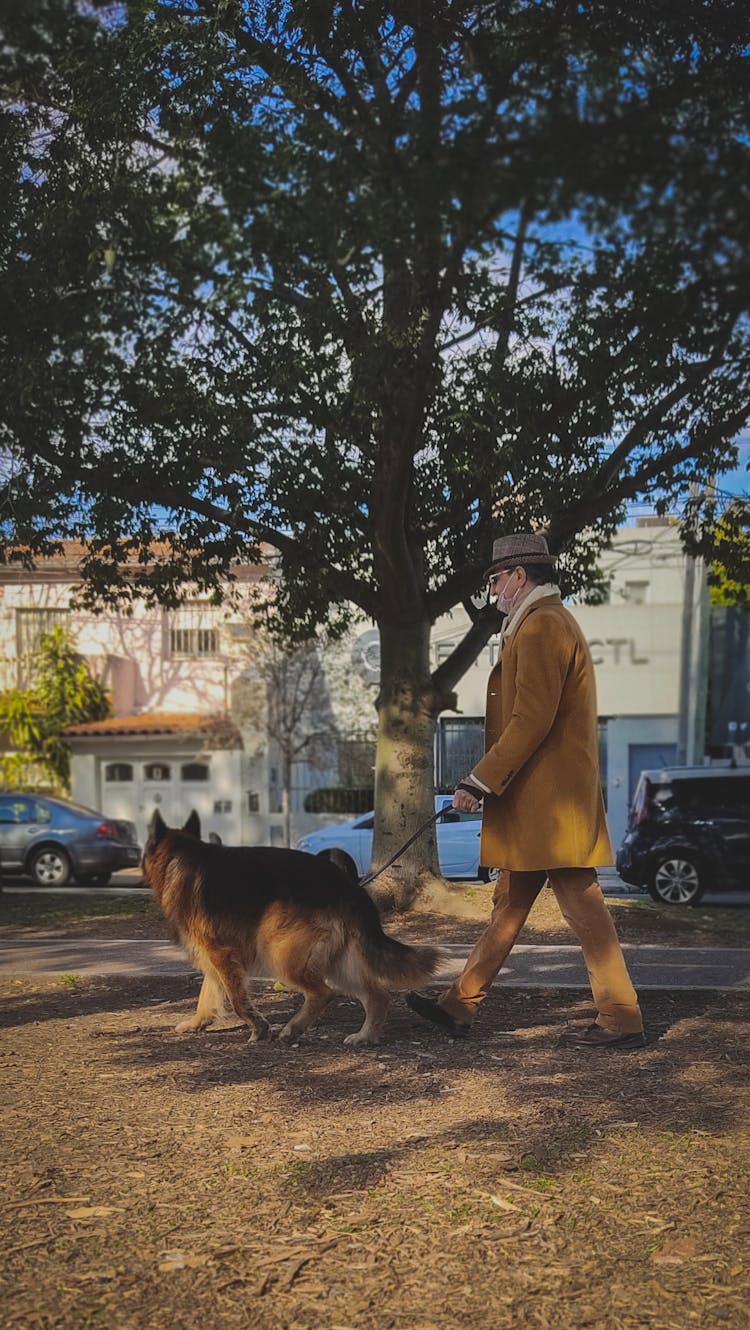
x=543, y=1183
x=303, y=1172
x=54, y=910
x=729, y=921
x=70, y=980
x=530, y=1163
x=240, y=1169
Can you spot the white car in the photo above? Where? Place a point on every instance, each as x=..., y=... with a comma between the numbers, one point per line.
x=350, y=843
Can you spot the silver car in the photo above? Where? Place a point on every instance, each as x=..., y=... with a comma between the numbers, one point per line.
x=51, y=840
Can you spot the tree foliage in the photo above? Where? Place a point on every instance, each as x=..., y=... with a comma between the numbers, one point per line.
x=366, y=281
x=727, y=544
x=62, y=692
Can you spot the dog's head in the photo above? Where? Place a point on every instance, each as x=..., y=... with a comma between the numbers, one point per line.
x=157, y=831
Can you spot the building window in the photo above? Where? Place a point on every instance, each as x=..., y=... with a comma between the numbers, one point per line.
x=193, y=630
x=31, y=627
x=118, y=771
x=459, y=746
x=195, y=771
x=157, y=771
x=222, y=806
x=636, y=593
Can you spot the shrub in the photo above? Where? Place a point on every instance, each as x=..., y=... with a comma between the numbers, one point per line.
x=340, y=799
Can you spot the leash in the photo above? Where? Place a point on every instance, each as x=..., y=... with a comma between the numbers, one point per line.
x=363, y=882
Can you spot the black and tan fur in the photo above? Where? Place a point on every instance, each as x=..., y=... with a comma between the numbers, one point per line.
x=255, y=911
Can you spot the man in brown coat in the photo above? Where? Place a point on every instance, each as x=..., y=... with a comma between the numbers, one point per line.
x=543, y=817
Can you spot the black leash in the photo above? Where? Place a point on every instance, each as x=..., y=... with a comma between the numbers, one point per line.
x=430, y=822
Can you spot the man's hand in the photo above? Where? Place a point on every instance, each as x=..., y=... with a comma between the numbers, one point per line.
x=465, y=802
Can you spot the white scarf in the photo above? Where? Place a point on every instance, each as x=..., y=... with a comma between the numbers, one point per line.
x=547, y=591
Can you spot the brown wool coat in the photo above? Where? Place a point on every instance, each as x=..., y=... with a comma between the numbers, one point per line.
x=542, y=758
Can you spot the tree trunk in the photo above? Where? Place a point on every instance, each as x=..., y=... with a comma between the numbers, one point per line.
x=408, y=706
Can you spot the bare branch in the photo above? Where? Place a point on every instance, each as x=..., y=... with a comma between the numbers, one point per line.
x=511, y=290
x=485, y=625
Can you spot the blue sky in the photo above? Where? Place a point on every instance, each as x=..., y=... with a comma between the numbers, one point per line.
x=738, y=481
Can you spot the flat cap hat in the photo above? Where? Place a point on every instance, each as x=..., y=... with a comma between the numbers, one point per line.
x=524, y=547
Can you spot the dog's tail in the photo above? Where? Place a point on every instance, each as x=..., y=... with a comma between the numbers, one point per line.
x=392, y=964
x=397, y=966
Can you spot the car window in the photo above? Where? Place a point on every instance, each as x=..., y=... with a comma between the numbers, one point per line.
x=79, y=810
x=366, y=824
x=714, y=795
x=16, y=809
x=663, y=796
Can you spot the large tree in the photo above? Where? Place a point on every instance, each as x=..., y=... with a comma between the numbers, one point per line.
x=370, y=283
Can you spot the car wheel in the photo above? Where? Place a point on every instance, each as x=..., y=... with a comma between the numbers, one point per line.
x=676, y=879
x=488, y=874
x=93, y=879
x=50, y=867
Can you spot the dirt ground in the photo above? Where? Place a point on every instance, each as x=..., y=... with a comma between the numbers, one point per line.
x=154, y=1180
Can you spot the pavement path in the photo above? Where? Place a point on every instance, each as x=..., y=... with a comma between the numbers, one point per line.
x=651, y=967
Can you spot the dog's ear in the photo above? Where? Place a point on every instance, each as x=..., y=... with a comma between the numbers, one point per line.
x=157, y=828
x=193, y=826
x=214, y=838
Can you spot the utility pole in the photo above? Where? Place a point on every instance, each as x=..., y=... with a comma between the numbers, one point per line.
x=685, y=727
x=694, y=650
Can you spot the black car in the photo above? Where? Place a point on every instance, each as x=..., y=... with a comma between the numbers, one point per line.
x=52, y=840
x=688, y=832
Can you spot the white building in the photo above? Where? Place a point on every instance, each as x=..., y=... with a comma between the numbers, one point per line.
x=187, y=730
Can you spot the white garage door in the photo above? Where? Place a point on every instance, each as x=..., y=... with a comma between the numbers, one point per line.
x=132, y=789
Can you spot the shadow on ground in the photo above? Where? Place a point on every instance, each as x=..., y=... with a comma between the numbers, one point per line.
x=683, y=1080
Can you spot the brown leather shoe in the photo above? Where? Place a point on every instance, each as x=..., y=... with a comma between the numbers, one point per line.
x=595, y=1036
x=432, y=1011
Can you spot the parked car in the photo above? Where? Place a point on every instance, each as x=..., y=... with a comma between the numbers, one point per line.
x=350, y=843
x=52, y=840
x=688, y=831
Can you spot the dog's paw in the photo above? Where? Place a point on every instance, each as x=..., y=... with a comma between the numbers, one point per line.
x=189, y=1025
x=262, y=1031
x=360, y=1039
x=288, y=1035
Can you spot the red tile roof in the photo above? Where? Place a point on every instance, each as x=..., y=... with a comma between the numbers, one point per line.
x=66, y=563
x=219, y=727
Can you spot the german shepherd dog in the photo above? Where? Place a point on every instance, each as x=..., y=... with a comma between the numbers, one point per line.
x=255, y=911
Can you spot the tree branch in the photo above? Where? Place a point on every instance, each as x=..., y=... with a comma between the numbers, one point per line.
x=697, y=372
x=511, y=290
x=596, y=506
x=484, y=626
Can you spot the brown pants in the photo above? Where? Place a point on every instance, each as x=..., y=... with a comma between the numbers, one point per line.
x=582, y=904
